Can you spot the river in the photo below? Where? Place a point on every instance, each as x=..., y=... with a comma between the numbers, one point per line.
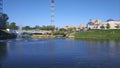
x=59, y=53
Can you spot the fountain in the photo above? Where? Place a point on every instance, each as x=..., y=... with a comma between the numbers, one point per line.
x=19, y=33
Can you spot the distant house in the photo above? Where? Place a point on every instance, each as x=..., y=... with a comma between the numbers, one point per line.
x=80, y=27
x=115, y=24
x=68, y=27
x=94, y=24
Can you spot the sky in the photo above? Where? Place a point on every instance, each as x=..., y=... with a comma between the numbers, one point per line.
x=67, y=12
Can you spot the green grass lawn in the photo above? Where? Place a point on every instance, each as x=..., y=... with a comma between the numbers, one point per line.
x=98, y=34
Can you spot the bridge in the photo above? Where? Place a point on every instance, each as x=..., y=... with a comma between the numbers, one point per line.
x=30, y=31
x=34, y=31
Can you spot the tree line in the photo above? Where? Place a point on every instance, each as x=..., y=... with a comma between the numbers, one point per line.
x=39, y=27
x=3, y=21
x=4, y=24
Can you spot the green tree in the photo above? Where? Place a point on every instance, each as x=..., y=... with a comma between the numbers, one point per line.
x=13, y=25
x=108, y=26
x=56, y=28
x=3, y=20
x=37, y=27
x=58, y=33
x=62, y=29
x=50, y=28
x=102, y=27
x=43, y=27
x=26, y=28
x=47, y=27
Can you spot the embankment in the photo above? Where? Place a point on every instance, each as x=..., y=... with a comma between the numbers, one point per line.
x=98, y=34
x=5, y=35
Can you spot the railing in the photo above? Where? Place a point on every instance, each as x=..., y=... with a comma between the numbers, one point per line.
x=34, y=31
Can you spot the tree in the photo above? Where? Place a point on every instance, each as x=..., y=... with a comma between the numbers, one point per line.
x=102, y=27
x=56, y=28
x=51, y=28
x=3, y=21
x=43, y=27
x=62, y=29
x=47, y=27
x=108, y=26
x=12, y=25
x=26, y=28
x=37, y=27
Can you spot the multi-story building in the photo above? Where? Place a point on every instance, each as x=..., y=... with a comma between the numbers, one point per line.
x=80, y=27
x=69, y=26
x=94, y=24
x=115, y=24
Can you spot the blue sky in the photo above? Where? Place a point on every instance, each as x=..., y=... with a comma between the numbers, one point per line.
x=74, y=12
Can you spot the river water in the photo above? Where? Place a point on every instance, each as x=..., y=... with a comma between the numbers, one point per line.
x=59, y=53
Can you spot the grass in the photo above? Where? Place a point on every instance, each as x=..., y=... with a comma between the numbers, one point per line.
x=98, y=34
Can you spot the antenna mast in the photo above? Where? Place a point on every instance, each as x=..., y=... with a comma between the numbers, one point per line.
x=52, y=12
x=1, y=13
x=1, y=6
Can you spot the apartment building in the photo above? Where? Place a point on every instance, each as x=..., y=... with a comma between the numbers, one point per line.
x=94, y=24
x=115, y=24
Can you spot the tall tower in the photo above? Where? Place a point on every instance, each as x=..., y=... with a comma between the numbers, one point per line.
x=1, y=12
x=52, y=12
x=1, y=6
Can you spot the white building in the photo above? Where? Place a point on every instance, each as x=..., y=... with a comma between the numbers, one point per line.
x=79, y=27
x=94, y=24
x=114, y=24
x=69, y=26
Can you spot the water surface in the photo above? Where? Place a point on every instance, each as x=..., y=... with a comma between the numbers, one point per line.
x=59, y=53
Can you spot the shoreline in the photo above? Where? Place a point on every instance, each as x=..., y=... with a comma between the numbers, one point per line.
x=4, y=35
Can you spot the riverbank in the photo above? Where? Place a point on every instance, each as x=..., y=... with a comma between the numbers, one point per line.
x=98, y=34
x=5, y=35
x=42, y=36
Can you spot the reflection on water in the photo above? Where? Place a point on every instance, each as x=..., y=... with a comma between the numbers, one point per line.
x=3, y=52
x=59, y=53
